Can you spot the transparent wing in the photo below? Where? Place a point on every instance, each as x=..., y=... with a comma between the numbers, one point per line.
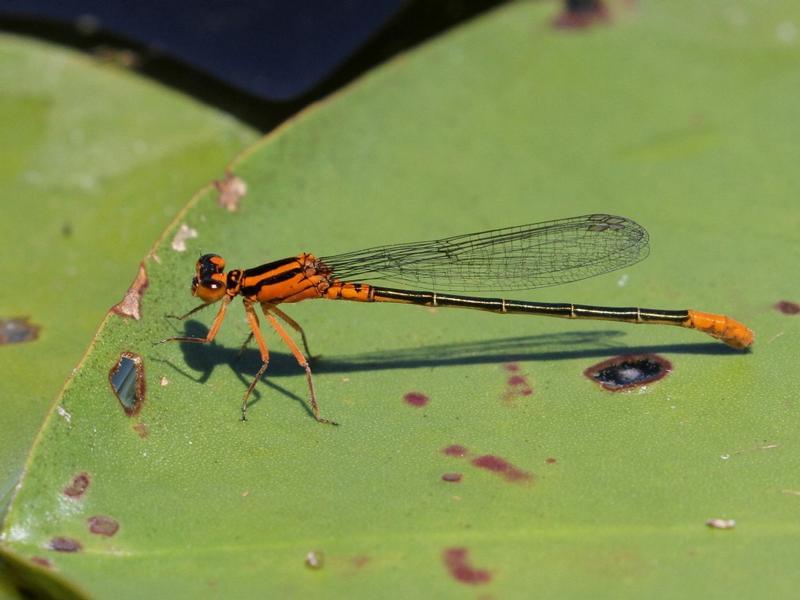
x=513, y=258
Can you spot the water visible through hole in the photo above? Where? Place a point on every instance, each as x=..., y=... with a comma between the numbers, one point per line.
x=127, y=382
x=626, y=372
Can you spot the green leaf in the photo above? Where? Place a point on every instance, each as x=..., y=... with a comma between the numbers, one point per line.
x=679, y=115
x=97, y=162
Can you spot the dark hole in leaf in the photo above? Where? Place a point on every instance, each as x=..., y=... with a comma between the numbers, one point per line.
x=625, y=372
x=127, y=382
x=16, y=330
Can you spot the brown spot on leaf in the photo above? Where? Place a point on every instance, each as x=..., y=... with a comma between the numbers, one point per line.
x=65, y=544
x=128, y=383
x=417, y=399
x=78, y=486
x=502, y=467
x=517, y=386
x=454, y=450
x=15, y=330
x=141, y=429
x=457, y=562
x=101, y=525
x=787, y=307
x=41, y=561
x=130, y=305
x=452, y=477
x=231, y=191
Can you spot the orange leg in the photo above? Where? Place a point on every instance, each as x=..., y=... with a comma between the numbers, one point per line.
x=293, y=324
x=301, y=360
x=252, y=320
x=286, y=319
x=212, y=333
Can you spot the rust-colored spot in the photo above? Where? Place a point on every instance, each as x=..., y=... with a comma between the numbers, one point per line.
x=511, y=367
x=78, y=486
x=625, y=372
x=65, y=544
x=141, y=429
x=457, y=562
x=578, y=14
x=787, y=307
x=550, y=461
x=360, y=561
x=184, y=233
x=416, y=399
x=315, y=559
x=41, y=561
x=231, y=191
x=101, y=525
x=517, y=386
x=452, y=477
x=454, y=450
x=127, y=382
x=16, y=330
x=502, y=467
x=130, y=305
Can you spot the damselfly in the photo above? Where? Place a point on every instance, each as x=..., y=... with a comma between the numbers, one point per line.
x=514, y=258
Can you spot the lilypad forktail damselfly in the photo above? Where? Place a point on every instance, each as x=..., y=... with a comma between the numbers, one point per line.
x=514, y=258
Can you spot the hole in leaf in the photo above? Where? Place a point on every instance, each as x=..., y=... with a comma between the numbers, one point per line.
x=127, y=382
x=625, y=372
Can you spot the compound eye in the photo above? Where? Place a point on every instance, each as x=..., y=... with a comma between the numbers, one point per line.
x=211, y=263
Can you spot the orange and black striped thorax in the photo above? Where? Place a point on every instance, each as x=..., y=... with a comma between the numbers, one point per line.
x=287, y=280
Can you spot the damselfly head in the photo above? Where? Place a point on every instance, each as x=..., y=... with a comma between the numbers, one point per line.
x=208, y=283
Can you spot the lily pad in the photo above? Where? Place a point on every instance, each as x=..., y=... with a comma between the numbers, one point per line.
x=473, y=454
x=97, y=161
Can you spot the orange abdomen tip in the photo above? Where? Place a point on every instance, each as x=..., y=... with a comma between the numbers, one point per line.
x=730, y=331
